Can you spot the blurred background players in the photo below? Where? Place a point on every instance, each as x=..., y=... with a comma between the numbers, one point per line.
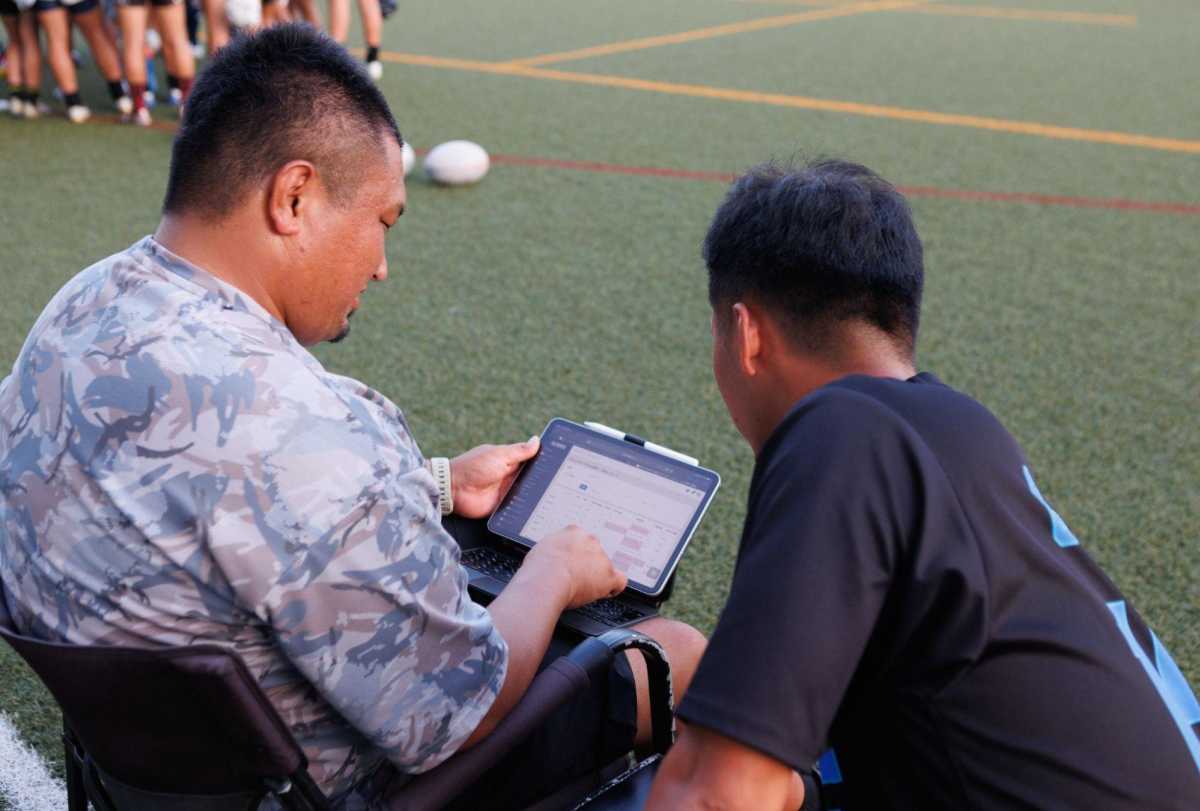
x=56, y=17
x=145, y=27
x=170, y=20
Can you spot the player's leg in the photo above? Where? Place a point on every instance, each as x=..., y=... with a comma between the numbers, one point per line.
x=170, y=18
x=372, y=23
x=273, y=12
x=90, y=21
x=10, y=16
x=339, y=19
x=131, y=18
x=31, y=62
x=53, y=19
x=216, y=27
x=308, y=11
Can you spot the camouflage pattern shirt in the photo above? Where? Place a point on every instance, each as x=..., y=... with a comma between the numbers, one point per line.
x=176, y=468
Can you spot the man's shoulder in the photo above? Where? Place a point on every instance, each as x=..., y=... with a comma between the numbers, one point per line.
x=850, y=411
x=921, y=407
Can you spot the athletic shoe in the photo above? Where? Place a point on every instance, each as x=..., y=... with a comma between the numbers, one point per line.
x=3, y=105
x=375, y=70
x=16, y=107
x=142, y=118
x=176, y=97
x=32, y=110
x=124, y=105
x=78, y=113
x=149, y=99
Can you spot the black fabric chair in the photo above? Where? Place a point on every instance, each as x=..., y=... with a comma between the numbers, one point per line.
x=189, y=729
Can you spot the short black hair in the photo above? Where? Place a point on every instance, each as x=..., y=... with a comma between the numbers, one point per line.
x=820, y=245
x=287, y=92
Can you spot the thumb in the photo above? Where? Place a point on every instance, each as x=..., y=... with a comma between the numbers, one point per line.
x=525, y=450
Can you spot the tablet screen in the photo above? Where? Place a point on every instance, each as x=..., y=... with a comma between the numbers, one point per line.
x=641, y=505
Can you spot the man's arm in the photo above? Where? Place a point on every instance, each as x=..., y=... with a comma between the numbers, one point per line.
x=566, y=570
x=706, y=770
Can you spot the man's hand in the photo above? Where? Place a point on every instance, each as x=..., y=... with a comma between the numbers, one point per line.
x=575, y=558
x=479, y=477
x=564, y=570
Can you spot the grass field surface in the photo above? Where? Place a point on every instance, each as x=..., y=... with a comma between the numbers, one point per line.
x=577, y=290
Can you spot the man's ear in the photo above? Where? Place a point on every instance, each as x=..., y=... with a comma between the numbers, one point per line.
x=747, y=329
x=293, y=188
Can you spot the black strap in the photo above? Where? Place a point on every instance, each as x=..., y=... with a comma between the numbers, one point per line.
x=658, y=670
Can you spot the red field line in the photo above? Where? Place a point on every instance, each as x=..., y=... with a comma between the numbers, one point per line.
x=1065, y=201
x=613, y=168
x=1191, y=209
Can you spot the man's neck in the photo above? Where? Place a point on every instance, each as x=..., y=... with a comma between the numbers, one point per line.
x=800, y=374
x=221, y=249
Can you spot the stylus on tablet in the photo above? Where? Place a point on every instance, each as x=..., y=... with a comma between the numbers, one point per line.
x=637, y=440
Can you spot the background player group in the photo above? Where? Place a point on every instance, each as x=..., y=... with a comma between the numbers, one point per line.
x=124, y=37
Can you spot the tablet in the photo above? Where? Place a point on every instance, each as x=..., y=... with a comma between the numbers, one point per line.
x=643, y=505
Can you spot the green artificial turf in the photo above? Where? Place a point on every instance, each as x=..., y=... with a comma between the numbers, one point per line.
x=546, y=292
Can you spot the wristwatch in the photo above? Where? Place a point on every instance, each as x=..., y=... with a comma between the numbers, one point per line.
x=439, y=466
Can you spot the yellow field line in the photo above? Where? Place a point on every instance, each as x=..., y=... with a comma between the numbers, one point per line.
x=761, y=24
x=1081, y=17
x=1031, y=128
x=993, y=12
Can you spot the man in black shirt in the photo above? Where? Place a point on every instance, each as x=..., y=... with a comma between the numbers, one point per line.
x=903, y=592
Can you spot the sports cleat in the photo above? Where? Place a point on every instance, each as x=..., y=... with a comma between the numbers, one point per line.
x=142, y=118
x=124, y=105
x=77, y=113
x=16, y=107
x=375, y=70
x=176, y=97
x=31, y=110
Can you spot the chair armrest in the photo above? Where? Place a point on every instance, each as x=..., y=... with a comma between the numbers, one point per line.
x=550, y=689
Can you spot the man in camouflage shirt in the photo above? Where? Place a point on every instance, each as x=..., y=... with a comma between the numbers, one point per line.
x=176, y=467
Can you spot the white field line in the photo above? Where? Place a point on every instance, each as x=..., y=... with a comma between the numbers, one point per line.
x=25, y=781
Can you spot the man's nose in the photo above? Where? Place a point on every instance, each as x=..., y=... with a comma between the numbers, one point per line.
x=380, y=273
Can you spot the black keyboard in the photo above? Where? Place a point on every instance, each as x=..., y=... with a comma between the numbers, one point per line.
x=491, y=562
x=502, y=567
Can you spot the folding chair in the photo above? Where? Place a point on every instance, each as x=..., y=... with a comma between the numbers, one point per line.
x=189, y=729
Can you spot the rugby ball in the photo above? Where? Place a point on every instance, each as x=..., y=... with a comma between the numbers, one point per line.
x=409, y=156
x=457, y=163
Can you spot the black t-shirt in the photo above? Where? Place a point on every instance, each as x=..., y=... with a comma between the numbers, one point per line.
x=904, y=594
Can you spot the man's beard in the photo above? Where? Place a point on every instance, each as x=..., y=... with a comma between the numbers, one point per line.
x=345, y=330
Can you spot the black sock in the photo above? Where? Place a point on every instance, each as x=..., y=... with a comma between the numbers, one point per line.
x=115, y=90
x=172, y=82
x=31, y=96
x=372, y=53
x=72, y=99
